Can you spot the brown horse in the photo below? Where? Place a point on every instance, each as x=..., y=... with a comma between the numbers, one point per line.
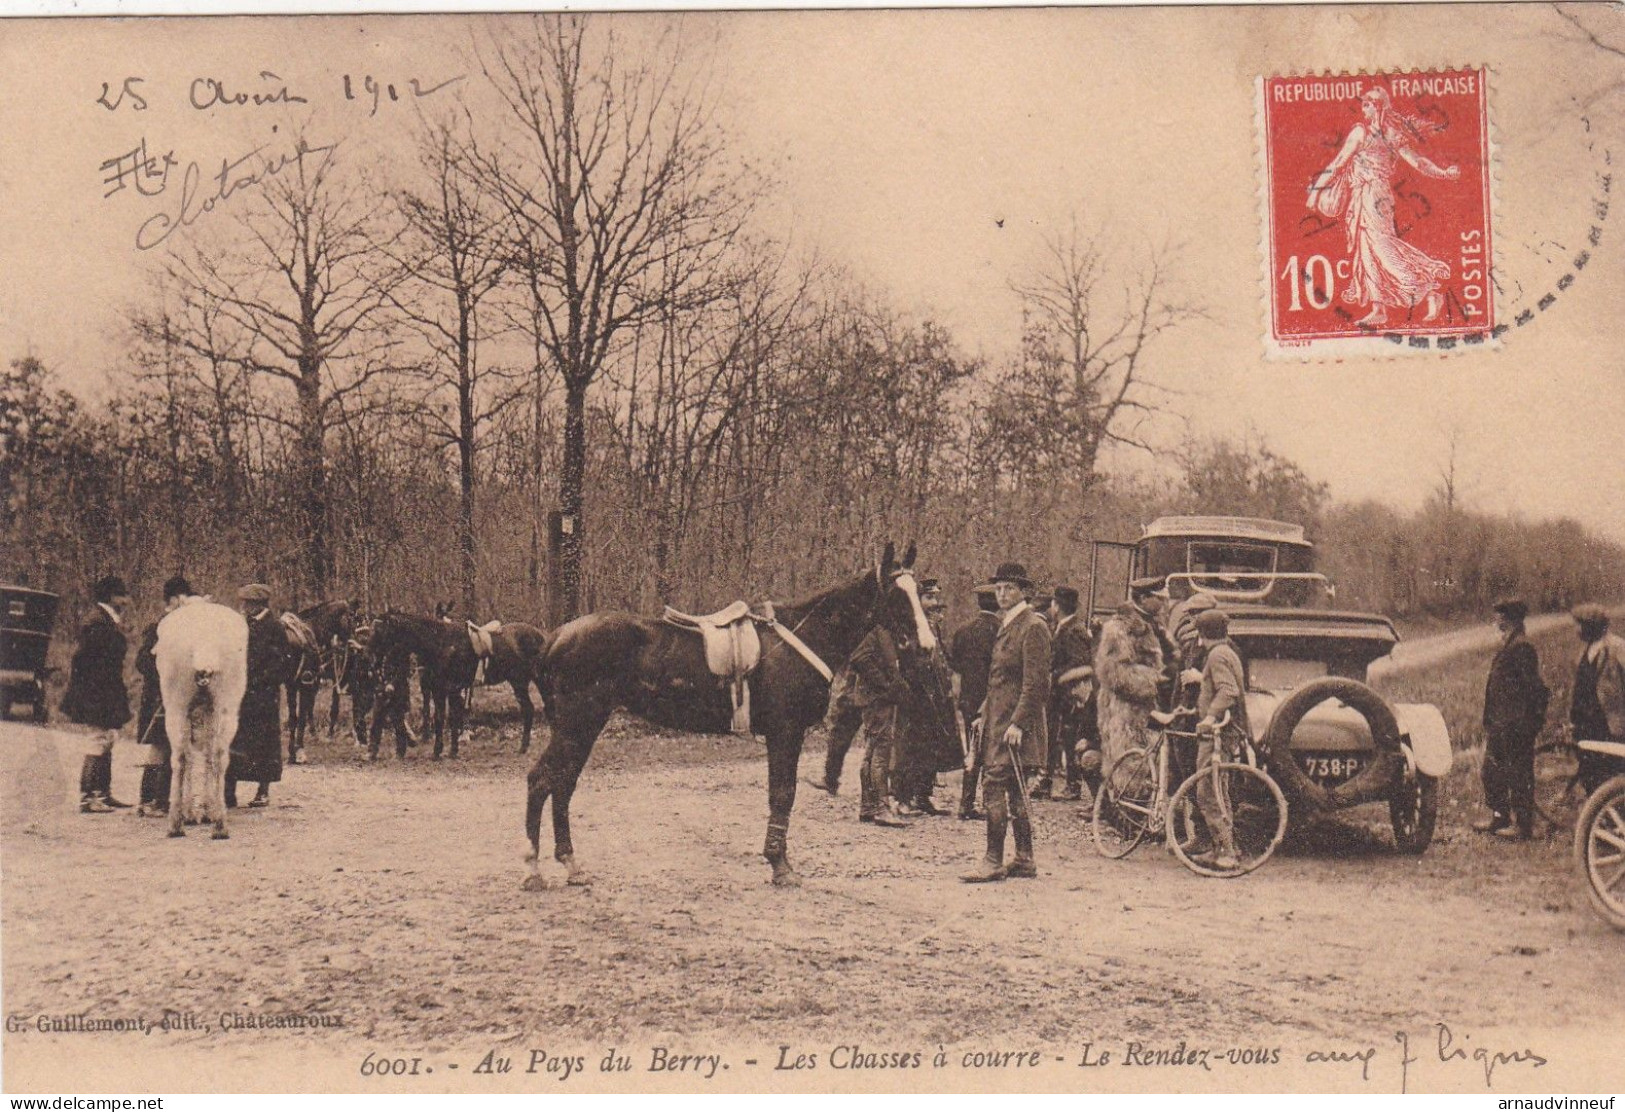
x=331, y=624
x=599, y=662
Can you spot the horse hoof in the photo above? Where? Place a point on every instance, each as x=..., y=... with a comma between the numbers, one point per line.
x=177, y=833
x=579, y=880
x=220, y=835
x=535, y=882
x=787, y=878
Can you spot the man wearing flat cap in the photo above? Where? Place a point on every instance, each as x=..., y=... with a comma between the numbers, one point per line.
x=1014, y=733
x=1514, y=711
x=1597, y=712
x=1221, y=730
x=1129, y=670
x=96, y=695
x=256, y=753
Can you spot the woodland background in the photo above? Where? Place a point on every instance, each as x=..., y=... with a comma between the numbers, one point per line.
x=389, y=375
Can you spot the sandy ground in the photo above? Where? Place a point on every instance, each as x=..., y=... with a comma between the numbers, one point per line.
x=389, y=896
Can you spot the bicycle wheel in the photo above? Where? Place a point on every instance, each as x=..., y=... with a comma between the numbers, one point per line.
x=1257, y=812
x=1125, y=805
x=1558, y=793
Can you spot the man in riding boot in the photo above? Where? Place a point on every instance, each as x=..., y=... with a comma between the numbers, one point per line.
x=150, y=727
x=1070, y=650
x=1014, y=731
x=845, y=719
x=1514, y=711
x=256, y=752
x=970, y=654
x=96, y=695
x=879, y=689
x=1221, y=731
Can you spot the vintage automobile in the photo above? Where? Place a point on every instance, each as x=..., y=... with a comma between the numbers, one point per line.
x=1327, y=738
x=26, y=620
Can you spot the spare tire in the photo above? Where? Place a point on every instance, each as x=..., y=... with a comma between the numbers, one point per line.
x=1375, y=781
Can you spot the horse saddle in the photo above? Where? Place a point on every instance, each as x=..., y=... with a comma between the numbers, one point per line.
x=733, y=648
x=479, y=636
x=299, y=631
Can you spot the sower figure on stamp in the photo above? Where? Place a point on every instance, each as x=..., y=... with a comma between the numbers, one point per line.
x=1514, y=711
x=96, y=695
x=1129, y=668
x=970, y=654
x=149, y=723
x=1014, y=732
x=1071, y=661
x=256, y=752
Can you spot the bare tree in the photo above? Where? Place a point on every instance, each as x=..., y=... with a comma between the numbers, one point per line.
x=1089, y=324
x=621, y=183
x=451, y=257
x=300, y=294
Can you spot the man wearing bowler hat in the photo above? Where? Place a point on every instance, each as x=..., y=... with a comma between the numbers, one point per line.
x=1514, y=711
x=96, y=695
x=1014, y=733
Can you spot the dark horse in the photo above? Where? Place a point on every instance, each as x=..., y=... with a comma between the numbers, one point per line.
x=448, y=668
x=599, y=662
x=332, y=624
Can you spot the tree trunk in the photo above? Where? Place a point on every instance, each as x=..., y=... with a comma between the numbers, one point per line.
x=465, y=459
x=318, y=566
x=571, y=499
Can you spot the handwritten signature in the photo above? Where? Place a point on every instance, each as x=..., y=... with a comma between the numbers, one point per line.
x=235, y=175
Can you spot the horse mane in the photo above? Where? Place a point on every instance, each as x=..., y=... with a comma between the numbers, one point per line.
x=814, y=602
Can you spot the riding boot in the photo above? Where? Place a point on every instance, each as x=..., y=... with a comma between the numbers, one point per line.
x=1023, y=866
x=90, y=799
x=231, y=792
x=967, y=793
x=1044, y=788
x=104, y=781
x=149, y=785
x=998, y=821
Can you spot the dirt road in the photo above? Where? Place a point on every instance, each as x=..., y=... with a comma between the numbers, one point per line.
x=389, y=896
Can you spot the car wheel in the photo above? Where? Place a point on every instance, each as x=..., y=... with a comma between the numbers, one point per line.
x=1414, y=811
x=1599, y=850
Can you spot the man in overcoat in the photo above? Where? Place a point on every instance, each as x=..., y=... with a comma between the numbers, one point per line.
x=928, y=735
x=96, y=695
x=1129, y=669
x=149, y=723
x=1514, y=711
x=1071, y=653
x=879, y=689
x=1597, y=712
x=1015, y=737
x=256, y=752
x=970, y=654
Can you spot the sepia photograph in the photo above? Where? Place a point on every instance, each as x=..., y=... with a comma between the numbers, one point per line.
x=1020, y=550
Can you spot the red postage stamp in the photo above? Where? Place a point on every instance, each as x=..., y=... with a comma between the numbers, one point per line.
x=1377, y=213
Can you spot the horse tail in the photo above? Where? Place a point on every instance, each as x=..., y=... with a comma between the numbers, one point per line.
x=205, y=662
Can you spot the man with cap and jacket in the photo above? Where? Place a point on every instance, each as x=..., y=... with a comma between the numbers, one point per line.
x=1014, y=731
x=970, y=654
x=1129, y=672
x=149, y=723
x=1514, y=711
x=256, y=752
x=1597, y=709
x=1071, y=672
x=1221, y=731
x=96, y=695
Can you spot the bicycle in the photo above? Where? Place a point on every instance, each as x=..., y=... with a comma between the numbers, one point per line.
x=1559, y=792
x=1133, y=803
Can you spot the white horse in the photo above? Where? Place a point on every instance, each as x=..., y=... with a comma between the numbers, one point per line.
x=202, y=671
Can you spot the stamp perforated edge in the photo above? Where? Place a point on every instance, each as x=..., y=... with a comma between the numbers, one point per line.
x=1378, y=346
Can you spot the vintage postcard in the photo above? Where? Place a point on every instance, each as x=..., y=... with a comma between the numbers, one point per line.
x=1039, y=550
